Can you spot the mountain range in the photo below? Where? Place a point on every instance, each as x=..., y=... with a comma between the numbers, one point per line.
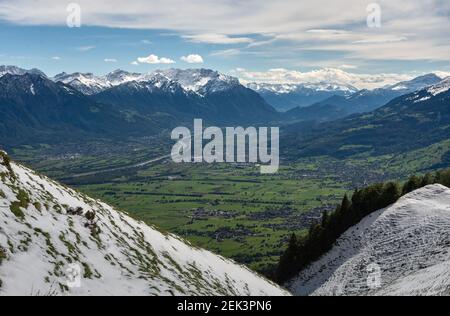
x=408, y=122
x=189, y=94
x=339, y=106
x=284, y=97
x=36, y=108
x=13, y=70
x=55, y=241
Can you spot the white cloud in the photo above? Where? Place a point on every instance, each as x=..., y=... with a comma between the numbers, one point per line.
x=360, y=81
x=85, y=48
x=193, y=59
x=134, y=63
x=110, y=60
x=153, y=59
x=56, y=58
x=226, y=52
x=411, y=29
x=213, y=38
x=345, y=66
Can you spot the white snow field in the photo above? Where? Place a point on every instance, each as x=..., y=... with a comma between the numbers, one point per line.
x=44, y=229
x=402, y=250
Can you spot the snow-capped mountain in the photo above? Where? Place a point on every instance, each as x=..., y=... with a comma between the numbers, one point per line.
x=432, y=92
x=415, y=84
x=291, y=88
x=118, y=77
x=440, y=88
x=35, y=109
x=288, y=96
x=200, y=81
x=401, y=250
x=13, y=70
x=186, y=95
x=56, y=241
x=86, y=83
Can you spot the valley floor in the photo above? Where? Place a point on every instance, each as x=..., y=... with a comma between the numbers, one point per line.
x=229, y=209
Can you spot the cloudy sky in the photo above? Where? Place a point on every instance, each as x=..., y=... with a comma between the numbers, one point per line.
x=253, y=39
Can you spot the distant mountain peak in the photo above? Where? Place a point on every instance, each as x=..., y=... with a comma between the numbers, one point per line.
x=415, y=84
x=439, y=88
x=14, y=70
x=287, y=88
x=200, y=81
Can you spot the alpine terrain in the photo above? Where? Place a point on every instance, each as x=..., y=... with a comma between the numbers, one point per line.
x=48, y=230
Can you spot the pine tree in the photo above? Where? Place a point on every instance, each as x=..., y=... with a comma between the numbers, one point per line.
x=288, y=262
x=427, y=180
x=391, y=194
x=412, y=184
x=325, y=219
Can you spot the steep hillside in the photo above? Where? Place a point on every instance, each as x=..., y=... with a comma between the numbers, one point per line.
x=401, y=250
x=48, y=231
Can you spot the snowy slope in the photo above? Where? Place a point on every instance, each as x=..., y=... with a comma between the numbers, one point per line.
x=408, y=242
x=437, y=90
x=440, y=88
x=49, y=230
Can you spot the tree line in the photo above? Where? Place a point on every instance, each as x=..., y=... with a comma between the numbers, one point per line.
x=303, y=250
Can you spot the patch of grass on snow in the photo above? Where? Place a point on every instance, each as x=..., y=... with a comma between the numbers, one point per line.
x=23, y=202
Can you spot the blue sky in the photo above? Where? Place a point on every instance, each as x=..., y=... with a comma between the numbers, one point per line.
x=246, y=38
